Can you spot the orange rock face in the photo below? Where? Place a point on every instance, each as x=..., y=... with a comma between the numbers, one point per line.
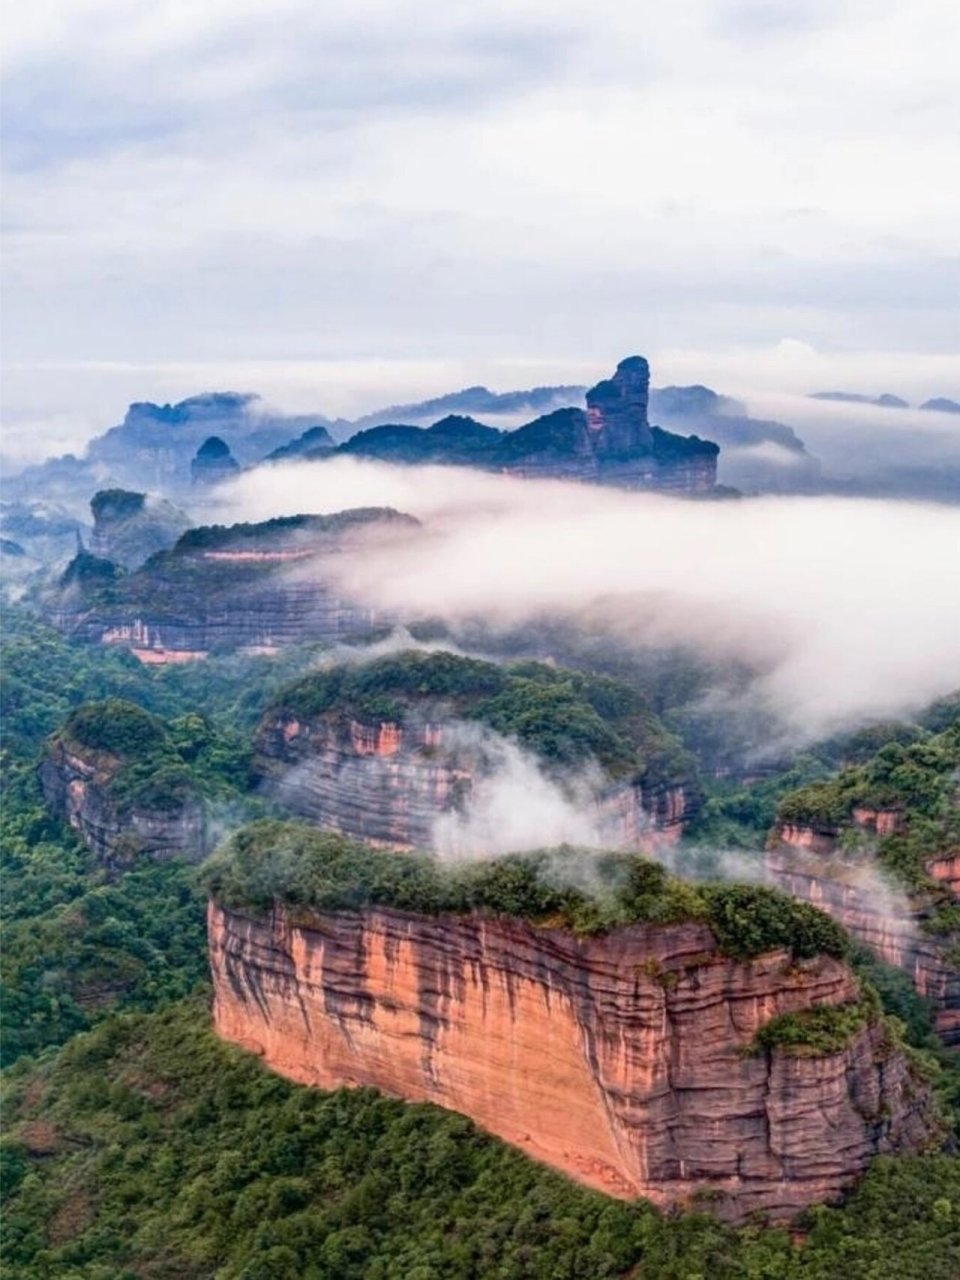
x=388, y=784
x=622, y=1061
x=883, y=920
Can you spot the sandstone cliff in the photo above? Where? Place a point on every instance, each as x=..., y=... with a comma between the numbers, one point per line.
x=258, y=587
x=625, y=1060
x=79, y=785
x=808, y=863
x=611, y=442
x=433, y=741
x=130, y=527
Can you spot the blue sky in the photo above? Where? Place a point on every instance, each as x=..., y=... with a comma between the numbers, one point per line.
x=412, y=196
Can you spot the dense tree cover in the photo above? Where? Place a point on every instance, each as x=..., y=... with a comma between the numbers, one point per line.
x=915, y=776
x=76, y=945
x=282, y=529
x=586, y=890
x=919, y=780
x=565, y=717
x=160, y=765
x=147, y=1148
x=45, y=677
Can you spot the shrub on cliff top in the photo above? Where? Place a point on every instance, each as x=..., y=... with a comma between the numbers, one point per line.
x=120, y=727
x=565, y=717
x=587, y=891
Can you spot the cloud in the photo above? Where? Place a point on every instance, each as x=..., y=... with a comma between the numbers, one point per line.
x=846, y=609
x=225, y=183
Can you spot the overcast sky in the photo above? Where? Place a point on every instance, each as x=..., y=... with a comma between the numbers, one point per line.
x=341, y=202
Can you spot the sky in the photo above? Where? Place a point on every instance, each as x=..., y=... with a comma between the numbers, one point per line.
x=342, y=204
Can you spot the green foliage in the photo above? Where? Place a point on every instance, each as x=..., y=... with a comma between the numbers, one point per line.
x=76, y=945
x=565, y=717
x=915, y=776
x=148, y=1148
x=585, y=890
x=748, y=919
x=116, y=726
x=817, y=1031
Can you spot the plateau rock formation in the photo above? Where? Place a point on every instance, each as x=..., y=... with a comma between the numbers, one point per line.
x=257, y=587
x=808, y=862
x=610, y=442
x=628, y=1061
x=389, y=772
x=130, y=527
x=81, y=784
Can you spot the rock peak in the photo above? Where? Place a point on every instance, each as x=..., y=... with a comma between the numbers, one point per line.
x=617, y=408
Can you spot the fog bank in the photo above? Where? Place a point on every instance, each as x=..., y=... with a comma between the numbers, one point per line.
x=851, y=606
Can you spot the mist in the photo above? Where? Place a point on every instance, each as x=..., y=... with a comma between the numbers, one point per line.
x=848, y=608
x=513, y=805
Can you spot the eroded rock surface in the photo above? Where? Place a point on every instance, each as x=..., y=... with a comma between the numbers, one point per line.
x=623, y=1060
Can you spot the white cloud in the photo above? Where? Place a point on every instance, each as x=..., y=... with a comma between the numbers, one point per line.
x=850, y=608
x=233, y=182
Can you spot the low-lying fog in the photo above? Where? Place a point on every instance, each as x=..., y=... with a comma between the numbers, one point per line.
x=850, y=607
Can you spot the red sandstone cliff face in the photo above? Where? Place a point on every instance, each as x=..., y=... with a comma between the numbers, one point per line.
x=807, y=863
x=619, y=1060
x=77, y=787
x=388, y=784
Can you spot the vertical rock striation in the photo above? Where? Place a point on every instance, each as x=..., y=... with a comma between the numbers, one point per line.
x=625, y=1060
x=807, y=862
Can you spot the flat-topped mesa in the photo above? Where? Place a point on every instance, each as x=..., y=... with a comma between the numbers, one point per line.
x=399, y=751
x=258, y=587
x=651, y=1059
x=107, y=773
x=878, y=847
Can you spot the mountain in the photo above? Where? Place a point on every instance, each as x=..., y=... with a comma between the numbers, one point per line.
x=473, y=400
x=657, y=1045
x=610, y=442
x=402, y=750
x=130, y=527
x=878, y=846
x=756, y=455
x=885, y=401
x=246, y=586
x=942, y=405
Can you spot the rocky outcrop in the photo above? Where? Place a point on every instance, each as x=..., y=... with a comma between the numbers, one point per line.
x=79, y=785
x=611, y=442
x=626, y=1061
x=391, y=783
x=808, y=863
x=255, y=587
x=130, y=527
x=213, y=463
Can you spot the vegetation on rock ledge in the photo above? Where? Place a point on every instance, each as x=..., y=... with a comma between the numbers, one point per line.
x=588, y=891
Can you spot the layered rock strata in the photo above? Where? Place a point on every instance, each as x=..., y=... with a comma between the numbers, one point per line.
x=807, y=863
x=626, y=1061
x=255, y=587
x=389, y=783
x=611, y=442
x=78, y=785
